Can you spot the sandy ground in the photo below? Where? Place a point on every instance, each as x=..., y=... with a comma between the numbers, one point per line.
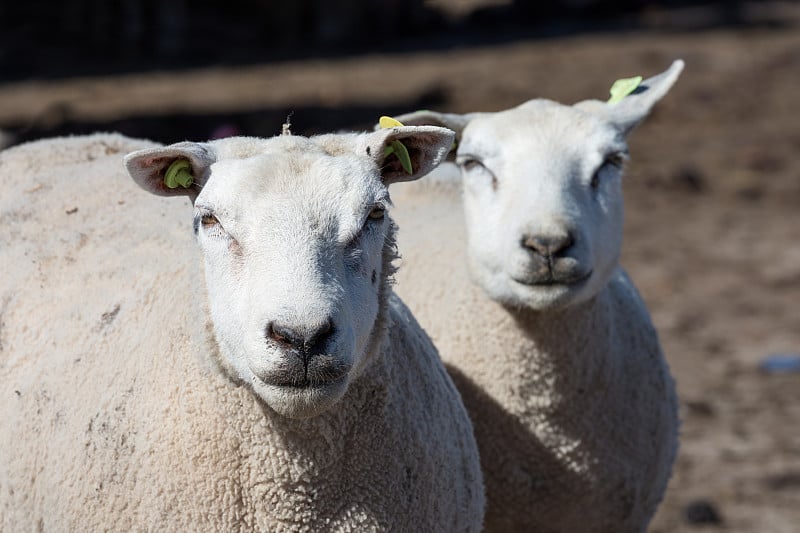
x=713, y=206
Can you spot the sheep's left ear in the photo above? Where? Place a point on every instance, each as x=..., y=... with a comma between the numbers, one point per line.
x=631, y=110
x=427, y=146
x=149, y=168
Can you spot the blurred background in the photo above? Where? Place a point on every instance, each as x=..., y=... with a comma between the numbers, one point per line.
x=712, y=193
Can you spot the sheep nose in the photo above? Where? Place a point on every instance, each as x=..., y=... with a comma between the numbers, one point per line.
x=548, y=245
x=304, y=338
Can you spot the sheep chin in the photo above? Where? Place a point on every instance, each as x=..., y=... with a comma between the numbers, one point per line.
x=300, y=402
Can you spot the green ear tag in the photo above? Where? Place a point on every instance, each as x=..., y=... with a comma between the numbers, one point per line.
x=179, y=174
x=623, y=88
x=396, y=147
x=399, y=149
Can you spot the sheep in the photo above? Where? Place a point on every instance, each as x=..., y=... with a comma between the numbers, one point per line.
x=294, y=392
x=513, y=270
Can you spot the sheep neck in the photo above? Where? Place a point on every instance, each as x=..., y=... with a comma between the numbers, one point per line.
x=557, y=374
x=569, y=349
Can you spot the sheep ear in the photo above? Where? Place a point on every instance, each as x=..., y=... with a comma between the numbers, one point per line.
x=427, y=146
x=451, y=121
x=148, y=168
x=631, y=110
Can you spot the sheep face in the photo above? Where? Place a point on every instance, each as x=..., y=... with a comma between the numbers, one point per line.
x=543, y=203
x=293, y=251
x=542, y=193
x=297, y=248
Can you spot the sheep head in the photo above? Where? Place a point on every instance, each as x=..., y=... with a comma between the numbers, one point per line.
x=297, y=248
x=542, y=192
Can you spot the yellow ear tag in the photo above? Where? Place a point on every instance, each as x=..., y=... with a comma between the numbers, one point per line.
x=179, y=174
x=389, y=122
x=623, y=88
x=396, y=147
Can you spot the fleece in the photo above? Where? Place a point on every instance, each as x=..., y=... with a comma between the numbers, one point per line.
x=574, y=410
x=115, y=417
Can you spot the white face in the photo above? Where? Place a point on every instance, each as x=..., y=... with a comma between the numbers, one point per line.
x=293, y=244
x=542, y=192
x=543, y=203
x=296, y=244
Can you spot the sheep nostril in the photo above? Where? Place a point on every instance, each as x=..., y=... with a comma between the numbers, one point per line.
x=283, y=335
x=305, y=339
x=548, y=245
x=321, y=334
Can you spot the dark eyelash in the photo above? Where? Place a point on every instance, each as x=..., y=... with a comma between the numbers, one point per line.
x=471, y=163
x=367, y=225
x=214, y=228
x=468, y=161
x=378, y=206
x=616, y=159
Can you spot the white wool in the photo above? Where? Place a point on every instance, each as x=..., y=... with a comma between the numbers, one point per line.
x=128, y=407
x=515, y=276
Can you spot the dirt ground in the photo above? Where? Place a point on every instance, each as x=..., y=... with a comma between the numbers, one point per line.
x=713, y=207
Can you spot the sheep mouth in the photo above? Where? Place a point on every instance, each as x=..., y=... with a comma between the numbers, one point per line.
x=306, y=383
x=297, y=394
x=306, y=377
x=550, y=280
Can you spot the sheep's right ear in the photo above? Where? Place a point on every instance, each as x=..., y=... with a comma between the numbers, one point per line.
x=148, y=167
x=451, y=121
x=425, y=147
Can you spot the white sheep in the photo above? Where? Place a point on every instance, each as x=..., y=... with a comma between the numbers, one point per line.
x=294, y=393
x=546, y=337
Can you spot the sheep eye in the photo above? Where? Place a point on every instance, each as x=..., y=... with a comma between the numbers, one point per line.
x=209, y=220
x=210, y=224
x=377, y=213
x=470, y=163
x=616, y=159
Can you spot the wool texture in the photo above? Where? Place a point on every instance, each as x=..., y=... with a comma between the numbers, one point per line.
x=115, y=416
x=574, y=409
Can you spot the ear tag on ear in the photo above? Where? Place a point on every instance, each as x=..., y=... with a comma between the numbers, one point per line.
x=399, y=149
x=396, y=147
x=389, y=122
x=179, y=174
x=623, y=88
